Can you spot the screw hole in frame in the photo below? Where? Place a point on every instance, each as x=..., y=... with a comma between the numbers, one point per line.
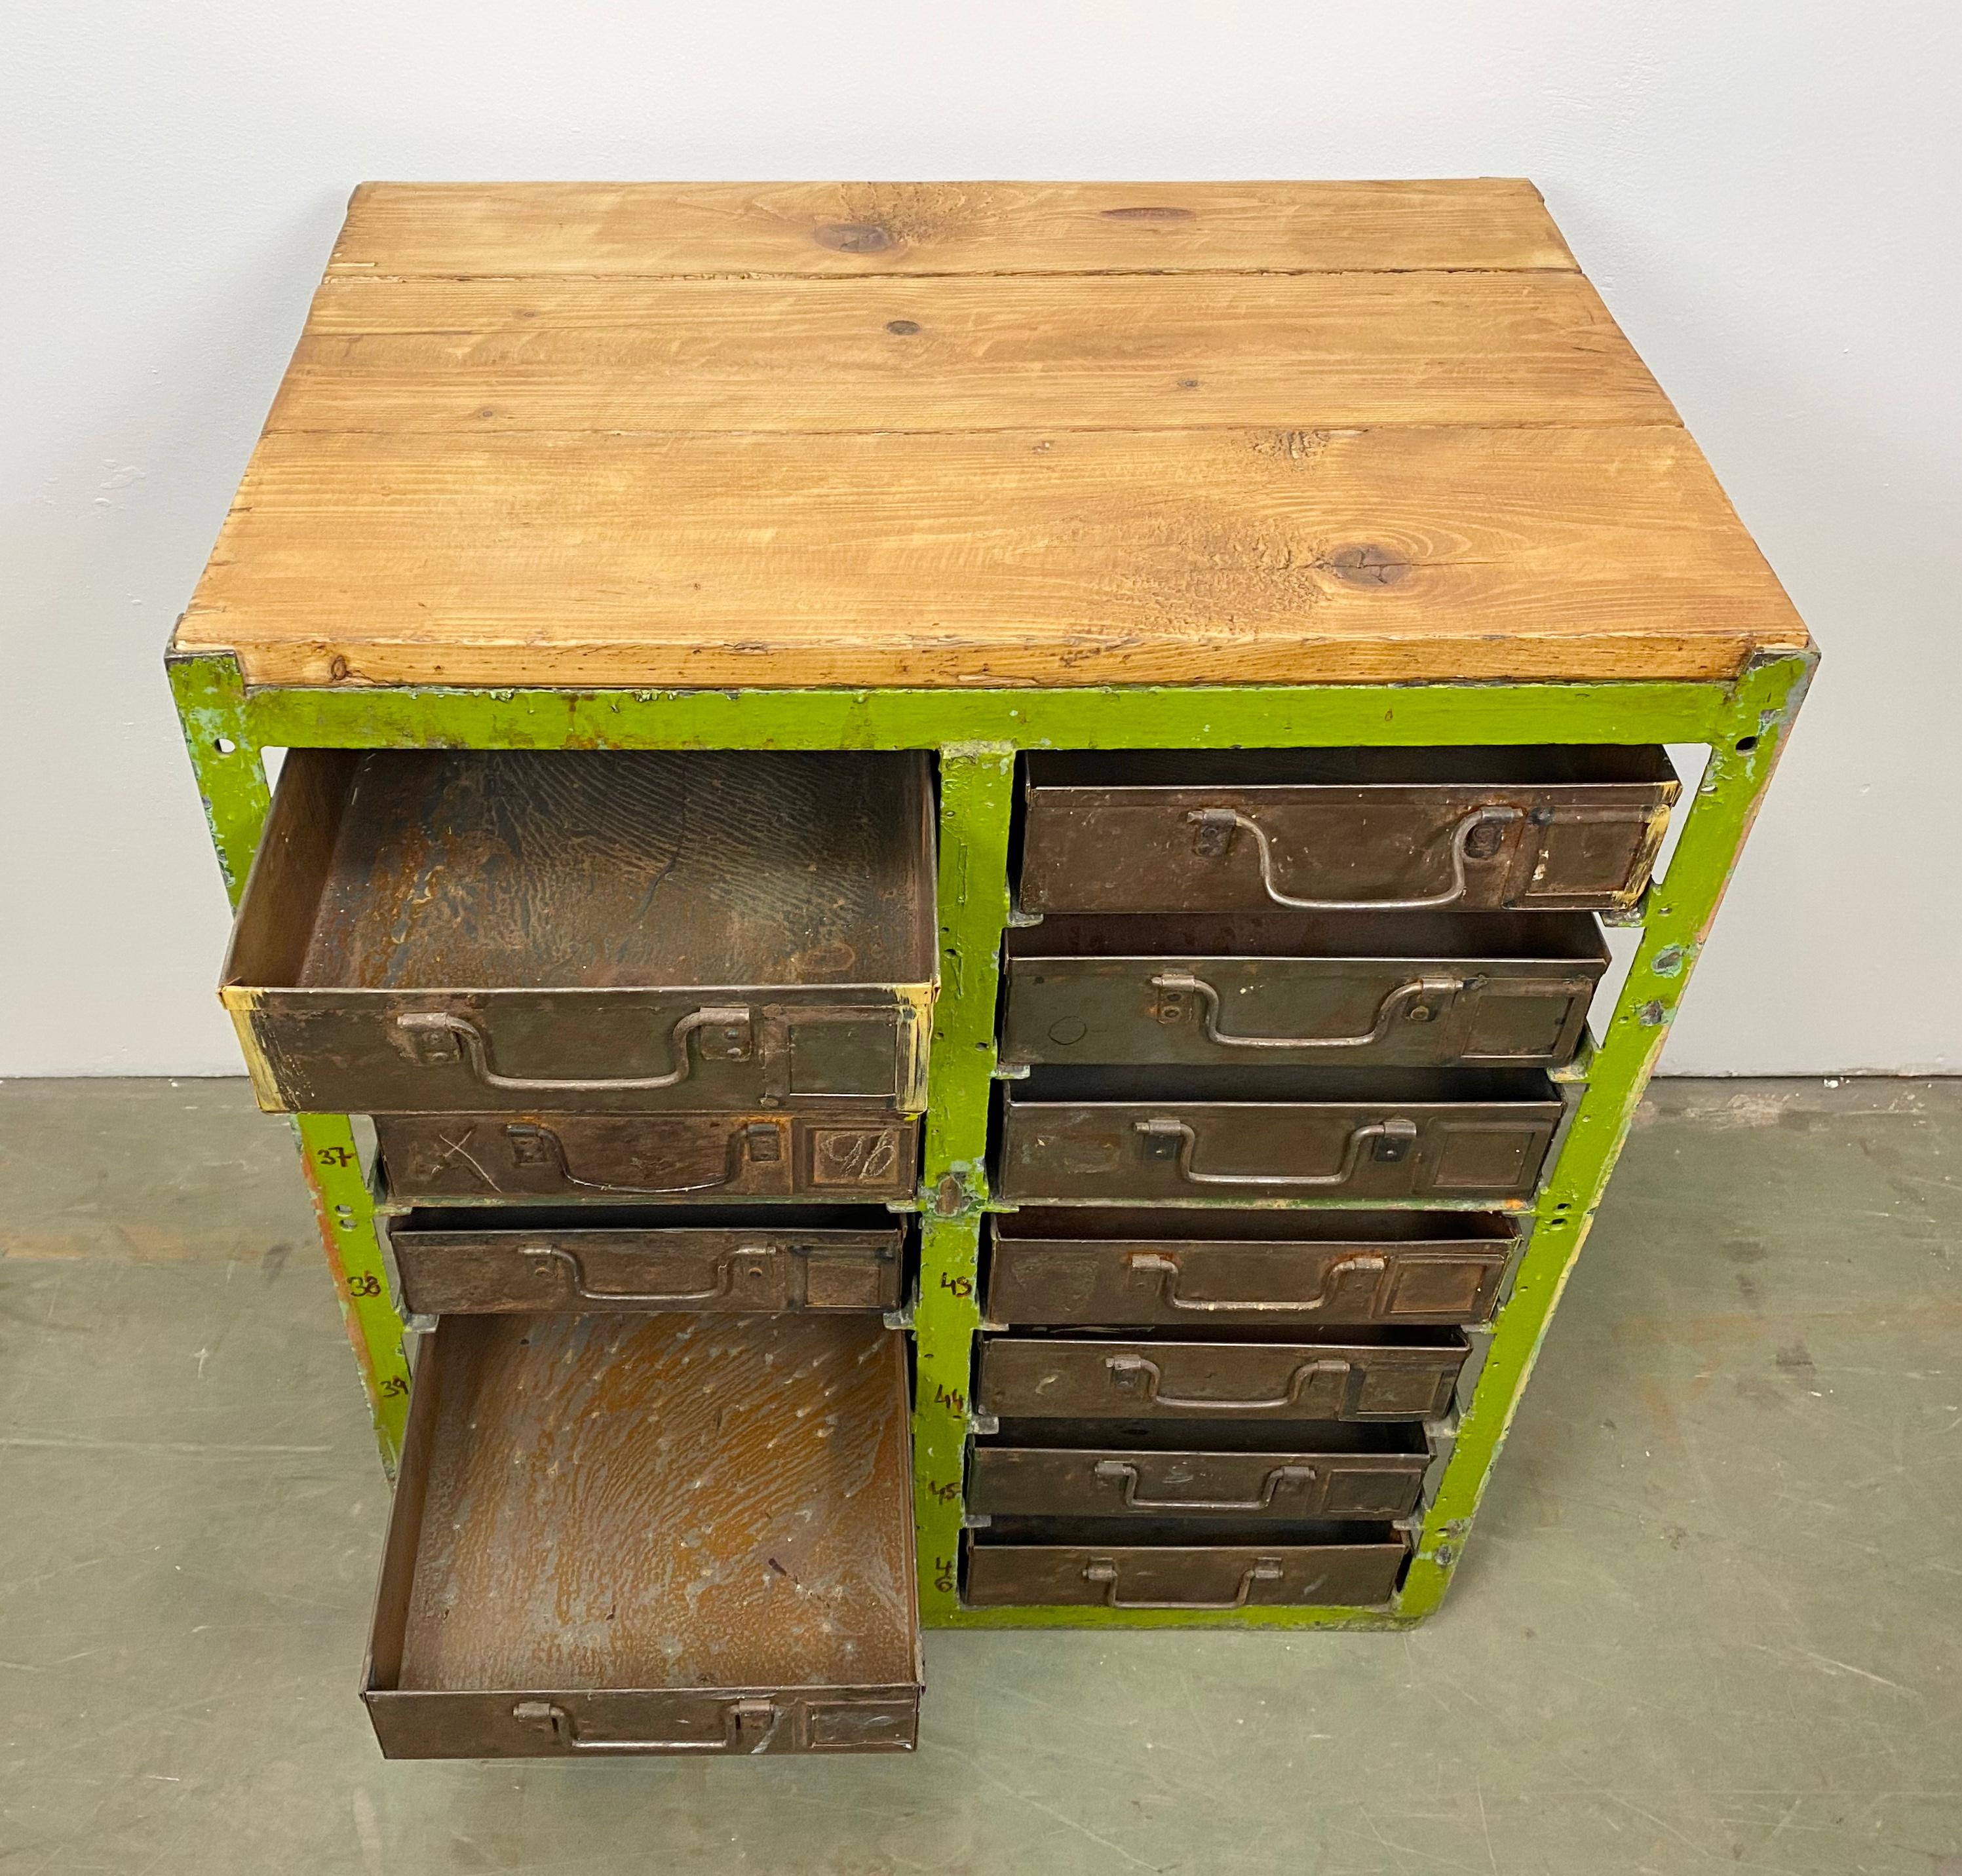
x=1745, y=744
x=225, y=746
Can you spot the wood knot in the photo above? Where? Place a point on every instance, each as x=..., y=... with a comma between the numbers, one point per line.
x=1366, y=564
x=1148, y=214
x=902, y=328
x=855, y=237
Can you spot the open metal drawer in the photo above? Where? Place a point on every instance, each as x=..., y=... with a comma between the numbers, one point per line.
x=1122, y=1135
x=1562, y=827
x=620, y=1534
x=1423, y=989
x=502, y=1260
x=1223, y=1267
x=431, y=931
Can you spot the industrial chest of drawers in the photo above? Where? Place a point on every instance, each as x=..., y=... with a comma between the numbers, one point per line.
x=967, y=821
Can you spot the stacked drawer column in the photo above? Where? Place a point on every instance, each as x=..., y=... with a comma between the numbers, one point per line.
x=1217, y=1391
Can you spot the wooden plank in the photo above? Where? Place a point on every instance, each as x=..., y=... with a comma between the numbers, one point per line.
x=479, y=356
x=1071, y=557
x=670, y=229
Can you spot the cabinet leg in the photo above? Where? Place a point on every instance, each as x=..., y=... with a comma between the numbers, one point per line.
x=1677, y=914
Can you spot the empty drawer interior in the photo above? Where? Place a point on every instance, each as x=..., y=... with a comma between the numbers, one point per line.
x=407, y=870
x=620, y=1533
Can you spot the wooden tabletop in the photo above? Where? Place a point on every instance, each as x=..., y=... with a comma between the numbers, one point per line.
x=792, y=435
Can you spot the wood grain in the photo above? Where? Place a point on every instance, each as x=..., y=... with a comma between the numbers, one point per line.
x=843, y=228
x=670, y=1501
x=1192, y=556
x=804, y=435
x=1111, y=352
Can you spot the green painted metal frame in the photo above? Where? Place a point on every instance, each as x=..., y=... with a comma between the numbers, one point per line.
x=976, y=734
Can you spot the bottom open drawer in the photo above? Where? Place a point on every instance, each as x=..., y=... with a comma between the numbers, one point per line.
x=676, y=1533
x=1039, y=1563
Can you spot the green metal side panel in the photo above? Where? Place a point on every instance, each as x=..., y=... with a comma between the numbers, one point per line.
x=976, y=734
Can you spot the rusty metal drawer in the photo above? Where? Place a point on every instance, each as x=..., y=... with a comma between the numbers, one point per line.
x=463, y=1262
x=1222, y=1267
x=1338, y=989
x=1359, y=1573
x=1144, y=1469
x=430, y=932
x=1122, y=1135
x=1342, y=830
x=612, y=1158
x=1355, y=1374
x=619, y=1534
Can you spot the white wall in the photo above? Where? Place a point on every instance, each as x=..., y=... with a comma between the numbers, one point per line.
x=1765, y=191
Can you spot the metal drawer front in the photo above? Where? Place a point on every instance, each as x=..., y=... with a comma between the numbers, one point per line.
x=1261, y=1270
x=1265, y=989
x=1116, y=1379
x=468, y=1263
x=431, y=931
x=629, y=1158
x=617, y=1535
x=1093, y=1134
x=1214, y=1577
x=1100, y=1482
x=1331, y=830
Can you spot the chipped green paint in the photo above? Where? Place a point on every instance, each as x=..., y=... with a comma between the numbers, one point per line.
x=977, y=733
x=345, y=1209
x=231, y=772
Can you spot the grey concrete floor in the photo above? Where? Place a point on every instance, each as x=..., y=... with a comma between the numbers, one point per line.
x=1712, y=1618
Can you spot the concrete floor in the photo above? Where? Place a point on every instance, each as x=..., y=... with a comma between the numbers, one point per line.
x=1712, y=1618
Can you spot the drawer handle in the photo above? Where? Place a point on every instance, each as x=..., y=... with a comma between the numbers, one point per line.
x=1139, y=1374
x=1421, y=1000
x=547, y=1256
x=1217, y=826
x=524, y=1134
x=1277, y=1477
x=1394, y=1139
x=1103, y=1569
x=746, y=1728
x=1170, y=1273
x=445, y=1032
